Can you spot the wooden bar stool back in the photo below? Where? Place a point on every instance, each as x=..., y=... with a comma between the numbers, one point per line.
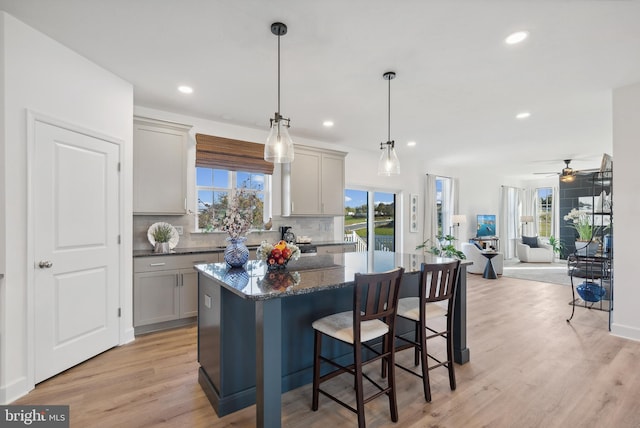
x=436, y=298
x=375, y=299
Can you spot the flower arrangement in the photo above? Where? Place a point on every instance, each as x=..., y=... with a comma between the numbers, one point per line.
x=277, y=255
x=237, y=220
x=581, y=222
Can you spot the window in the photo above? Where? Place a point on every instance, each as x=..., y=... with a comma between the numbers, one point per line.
x=215, y=187
x=544, y=211
x=444, y=203
x=226, y=168
x=365, y=210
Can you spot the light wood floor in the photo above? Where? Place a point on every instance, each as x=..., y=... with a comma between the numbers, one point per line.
x=528, y=368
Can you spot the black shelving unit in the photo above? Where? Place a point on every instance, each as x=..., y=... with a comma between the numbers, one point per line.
x=592, y=274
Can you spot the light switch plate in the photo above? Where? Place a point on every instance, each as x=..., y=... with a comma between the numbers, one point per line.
x=178, y=229
x=207, y=301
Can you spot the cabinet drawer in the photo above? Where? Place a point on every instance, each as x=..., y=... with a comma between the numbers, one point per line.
x=170, y=262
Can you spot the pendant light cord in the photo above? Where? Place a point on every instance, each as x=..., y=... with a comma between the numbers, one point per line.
x=278, y=77
x=389, y=114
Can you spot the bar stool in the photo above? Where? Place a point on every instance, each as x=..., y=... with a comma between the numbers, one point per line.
x=438, y=284
x=375, y=299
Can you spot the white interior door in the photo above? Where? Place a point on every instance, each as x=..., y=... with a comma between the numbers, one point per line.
x=76, y=222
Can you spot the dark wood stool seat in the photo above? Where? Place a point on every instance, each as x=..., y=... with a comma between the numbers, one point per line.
x=438, y=286
x=375, y=299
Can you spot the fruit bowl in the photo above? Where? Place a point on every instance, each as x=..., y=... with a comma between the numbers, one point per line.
x=277, y=255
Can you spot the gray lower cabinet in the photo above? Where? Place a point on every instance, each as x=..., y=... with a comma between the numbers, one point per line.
x=165, y=290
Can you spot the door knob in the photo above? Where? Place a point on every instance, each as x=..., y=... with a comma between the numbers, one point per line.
x=45, y=264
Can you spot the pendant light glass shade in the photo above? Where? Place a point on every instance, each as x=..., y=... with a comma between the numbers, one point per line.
x=279, y=146
x=389, y=164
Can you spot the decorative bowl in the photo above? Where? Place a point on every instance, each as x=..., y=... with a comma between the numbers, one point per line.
x=277, y=255
x=591, y=291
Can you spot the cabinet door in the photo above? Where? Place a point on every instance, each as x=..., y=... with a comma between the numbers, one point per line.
x=155, y=297
x=188, y=293
x=159, y=168
x=305, y=183
x=332, y=185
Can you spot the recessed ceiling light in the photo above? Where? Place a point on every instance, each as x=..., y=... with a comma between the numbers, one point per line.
x=523, y=115
x=327, y=123
x=185, y=89
x=411, y=143
x=516, y=37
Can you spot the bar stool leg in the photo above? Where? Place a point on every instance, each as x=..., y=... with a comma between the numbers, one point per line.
x=424, y=359
x=357, y=356
x=317, y=346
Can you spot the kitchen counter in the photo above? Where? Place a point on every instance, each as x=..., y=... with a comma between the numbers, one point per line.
x=217, y=249
x=250, y=318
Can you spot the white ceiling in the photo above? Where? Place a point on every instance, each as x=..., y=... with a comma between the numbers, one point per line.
x=458, y=85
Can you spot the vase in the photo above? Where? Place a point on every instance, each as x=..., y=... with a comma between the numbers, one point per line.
x=161, y=247
x=587, y=248
x=236, y=254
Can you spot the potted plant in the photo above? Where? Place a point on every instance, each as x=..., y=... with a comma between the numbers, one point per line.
x=444, y=247
x=162, y=235
x=556, y=246
x=581, y=223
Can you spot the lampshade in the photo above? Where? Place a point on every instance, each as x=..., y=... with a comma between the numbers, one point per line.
x=526, y=219
x=458, y=219
x=279, y=147
x=388, y=163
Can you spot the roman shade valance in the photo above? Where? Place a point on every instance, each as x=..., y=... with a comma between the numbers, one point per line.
x=234, y=155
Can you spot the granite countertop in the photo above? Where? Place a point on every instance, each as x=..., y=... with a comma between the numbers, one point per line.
x=217, y=249
x=310, y=274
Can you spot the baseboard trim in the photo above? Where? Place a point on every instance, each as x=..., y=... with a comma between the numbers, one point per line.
x=14, y=390
x=625, y=331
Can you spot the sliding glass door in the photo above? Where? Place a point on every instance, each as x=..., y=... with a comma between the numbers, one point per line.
x=369, y=219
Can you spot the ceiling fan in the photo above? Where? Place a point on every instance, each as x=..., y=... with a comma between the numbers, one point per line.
x=567, y=174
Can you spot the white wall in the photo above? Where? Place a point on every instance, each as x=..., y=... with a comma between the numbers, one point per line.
x=43, y=76
x=626, y=176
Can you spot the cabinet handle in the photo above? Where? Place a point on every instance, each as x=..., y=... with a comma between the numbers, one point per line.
x=178, y=280
x=157, y=264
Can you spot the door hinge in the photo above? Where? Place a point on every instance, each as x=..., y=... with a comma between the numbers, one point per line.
x=119, y=240
x=119, y=312
x=118, y=166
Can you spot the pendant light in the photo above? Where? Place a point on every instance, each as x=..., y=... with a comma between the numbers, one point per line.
x=388, y=163
x=279, y=146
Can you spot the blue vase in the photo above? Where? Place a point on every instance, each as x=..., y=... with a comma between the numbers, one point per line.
x=236, y=254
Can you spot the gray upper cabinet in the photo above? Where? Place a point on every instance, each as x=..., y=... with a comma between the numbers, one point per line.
x=317, y=182
x=159, y=167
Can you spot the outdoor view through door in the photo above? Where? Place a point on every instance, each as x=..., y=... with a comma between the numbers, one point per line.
x=369, y=219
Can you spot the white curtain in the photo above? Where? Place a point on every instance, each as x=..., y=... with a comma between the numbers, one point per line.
x=430, y=226
x=510, y=209
x=555, y=210
x=530, y=207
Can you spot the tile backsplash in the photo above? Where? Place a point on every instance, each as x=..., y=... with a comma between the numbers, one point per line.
x=320, y=229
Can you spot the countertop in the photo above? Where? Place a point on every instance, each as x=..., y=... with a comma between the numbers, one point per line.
x=217, y=249
x=310, y=274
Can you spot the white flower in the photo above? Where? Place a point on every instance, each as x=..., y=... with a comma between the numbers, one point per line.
x=237, y=221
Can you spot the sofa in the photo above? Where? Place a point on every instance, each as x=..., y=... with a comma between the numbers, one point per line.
x=533, y=250
x=474, y=254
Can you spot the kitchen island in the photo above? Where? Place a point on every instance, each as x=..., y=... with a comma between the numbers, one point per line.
x=255, y=338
